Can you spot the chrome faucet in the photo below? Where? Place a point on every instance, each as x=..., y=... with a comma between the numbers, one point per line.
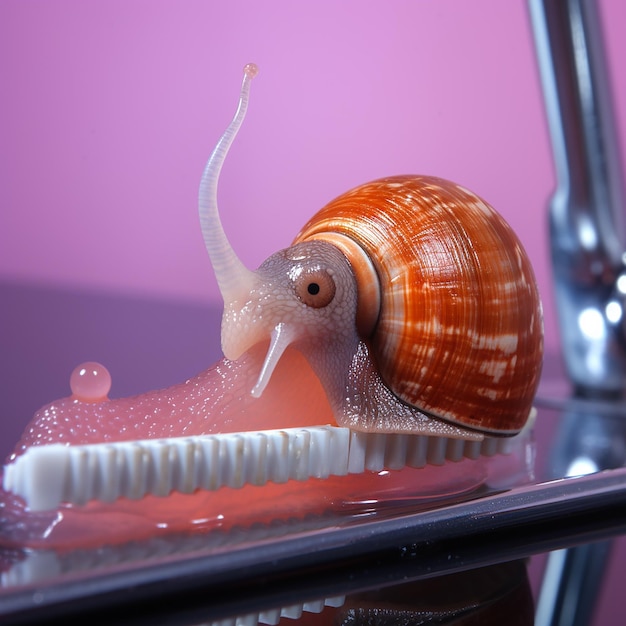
x=587, y=237
x=587, y=244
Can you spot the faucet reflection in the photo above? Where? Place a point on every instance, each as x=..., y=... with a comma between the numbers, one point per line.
x=591, y=437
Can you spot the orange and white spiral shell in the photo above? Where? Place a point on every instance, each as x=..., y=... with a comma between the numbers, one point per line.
x=454, y=319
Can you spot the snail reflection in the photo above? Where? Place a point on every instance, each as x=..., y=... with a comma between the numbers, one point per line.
x=405, y=307
x=497, y=594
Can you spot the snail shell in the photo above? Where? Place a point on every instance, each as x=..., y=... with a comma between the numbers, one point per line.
x=457, y=330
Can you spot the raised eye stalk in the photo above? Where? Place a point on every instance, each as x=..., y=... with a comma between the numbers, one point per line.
x=233, y=278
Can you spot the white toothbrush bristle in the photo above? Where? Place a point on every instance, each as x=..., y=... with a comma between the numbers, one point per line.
x=46, y=476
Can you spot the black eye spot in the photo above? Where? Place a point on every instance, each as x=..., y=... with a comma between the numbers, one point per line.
x=315, y=288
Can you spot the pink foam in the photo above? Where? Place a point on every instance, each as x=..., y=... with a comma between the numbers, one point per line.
x=216, y=400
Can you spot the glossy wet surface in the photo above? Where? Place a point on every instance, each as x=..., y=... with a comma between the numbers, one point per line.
x=267, y=563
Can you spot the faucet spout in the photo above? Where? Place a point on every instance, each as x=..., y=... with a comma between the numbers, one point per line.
x=586, y=213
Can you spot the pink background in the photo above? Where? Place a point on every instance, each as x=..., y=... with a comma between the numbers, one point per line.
x=110, y=108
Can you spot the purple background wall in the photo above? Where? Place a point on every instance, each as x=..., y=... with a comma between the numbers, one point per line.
x=109, y=110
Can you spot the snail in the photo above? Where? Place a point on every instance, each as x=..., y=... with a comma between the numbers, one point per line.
x=405, y=306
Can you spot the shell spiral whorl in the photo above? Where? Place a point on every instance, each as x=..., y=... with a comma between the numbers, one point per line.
x=459, y=333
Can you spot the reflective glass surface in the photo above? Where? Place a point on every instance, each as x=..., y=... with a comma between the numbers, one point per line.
x=462, y=555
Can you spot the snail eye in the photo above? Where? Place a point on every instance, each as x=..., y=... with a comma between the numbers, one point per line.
x=316, y=289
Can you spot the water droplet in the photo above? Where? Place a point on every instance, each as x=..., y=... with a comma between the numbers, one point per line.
x=90, y=382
